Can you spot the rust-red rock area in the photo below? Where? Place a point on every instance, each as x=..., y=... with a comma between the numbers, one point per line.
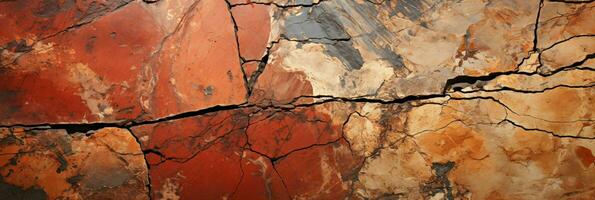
x=297, y=99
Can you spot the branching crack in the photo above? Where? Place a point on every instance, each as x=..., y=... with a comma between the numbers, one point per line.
x=250, y=2
x=78, y=24
x=450, y=86
x=536, y=30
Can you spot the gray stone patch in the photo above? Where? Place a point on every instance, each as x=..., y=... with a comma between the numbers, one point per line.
x=328, y=22
x=411, y=9
x=50, y=8
x=314, y=23
x=97, y=178
x=8, y=191
x=208, y=91
x=344, y=51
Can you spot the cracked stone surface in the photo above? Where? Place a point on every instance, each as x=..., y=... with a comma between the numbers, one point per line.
x=297, y=99
x=53, y=164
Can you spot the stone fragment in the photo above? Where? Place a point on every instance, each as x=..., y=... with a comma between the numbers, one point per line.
x=250, y=69
x=297, y=99
x=280, y=3
x=198, y=64
x=52, y=164
x=253, y=23
x=27, y=22
x=246, y=146
x=387, y=50
x=575, y=52
x=320, y=172
x=87, y=74
x=279, y=133
x=560, y=21
x=111, y=69
x=467, y=149
x=181, y=149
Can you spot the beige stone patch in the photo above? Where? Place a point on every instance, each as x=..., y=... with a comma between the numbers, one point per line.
x=362, y=134
x=94, y=91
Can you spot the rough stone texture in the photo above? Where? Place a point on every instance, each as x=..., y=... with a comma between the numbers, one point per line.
x=297, y=99
x=114, y=68
x=388, y=50
x=54, y=164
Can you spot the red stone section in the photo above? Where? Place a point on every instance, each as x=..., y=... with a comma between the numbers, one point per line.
x=260, y=179
x=183, y=154
x=253, y=22
x=278, y=133
x=51, y=164
x=108, y=68
x=210, y=174
x=27, y=21
x=321, y=172
x=250, y=69
x=86, y=74
x=585, y=155
x=240, y=153
x=184, y=138
x=276, y=86
x=297, y=99
x=199, y=65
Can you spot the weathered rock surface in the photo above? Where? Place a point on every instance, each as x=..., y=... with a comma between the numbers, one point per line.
x=297, y=99
x=137, y=62
x=54, y=164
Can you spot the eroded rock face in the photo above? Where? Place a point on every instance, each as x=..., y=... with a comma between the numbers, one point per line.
x=53, y=164
x=136, y=62
x=297, y=99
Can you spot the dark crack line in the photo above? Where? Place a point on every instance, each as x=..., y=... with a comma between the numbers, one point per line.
x=148, y=185
x=200, y=149
x=489, y=77
x=380, y=2
x=505, y=88
x=545, y=131
x=536, y=30
x=200, y=112
x=316, y=40
x=572, y=2
x=179, y=25
x=289, y=5
x=151, y=1
x=261, y=66
x=273, y=160
x=281, y=157
x=506, y=119
x=76, y=25
x=566, y=40
x=241, y=59
x=86, y=127
x=262, y=63
x=273, y=166
x=241, y=179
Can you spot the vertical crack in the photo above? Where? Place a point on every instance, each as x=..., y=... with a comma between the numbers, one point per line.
x=241, y=59
x=148, y=185
x=535, y=31
x=261, y=65
x=240, y=181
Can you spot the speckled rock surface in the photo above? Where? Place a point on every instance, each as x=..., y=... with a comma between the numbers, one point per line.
x=56, y=164
x=297, y=99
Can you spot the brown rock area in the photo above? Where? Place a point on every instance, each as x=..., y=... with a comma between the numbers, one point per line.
x=54, y=164
x=297, y=99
